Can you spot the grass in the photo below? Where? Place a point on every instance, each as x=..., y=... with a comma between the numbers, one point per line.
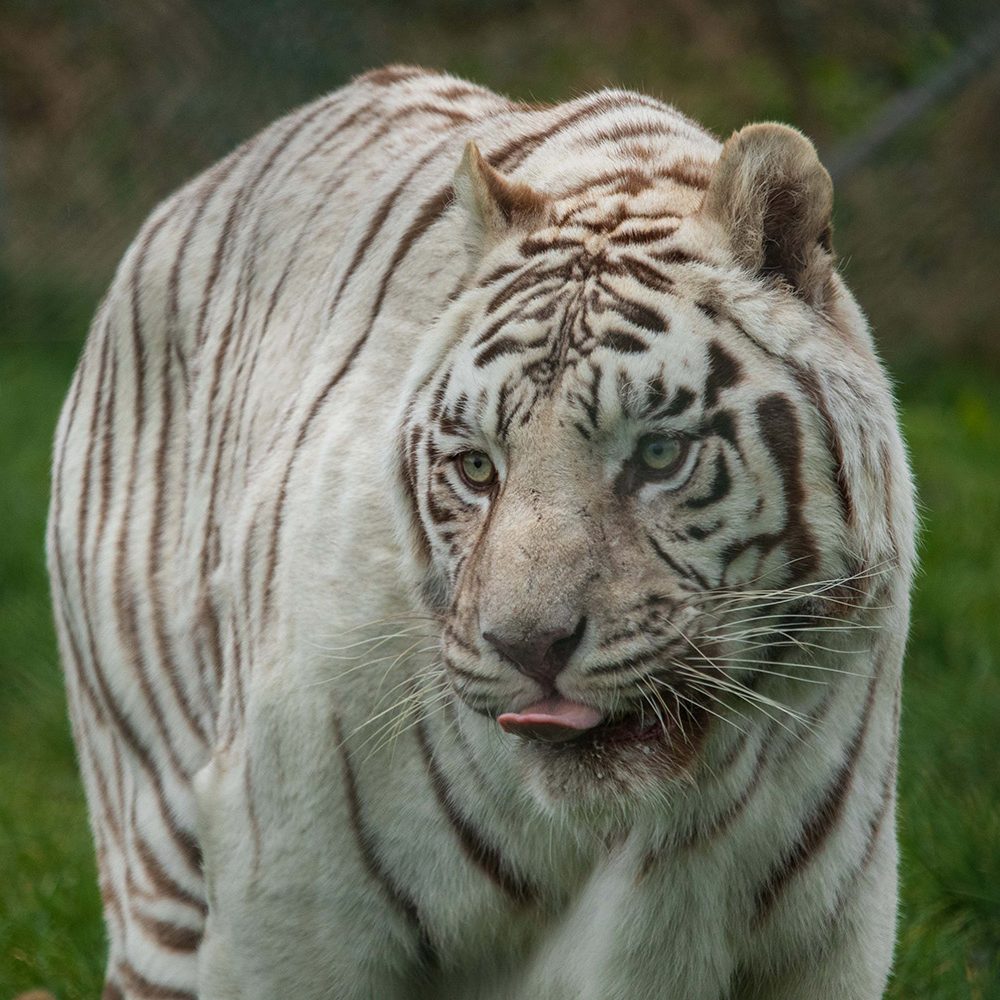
x=949, y=946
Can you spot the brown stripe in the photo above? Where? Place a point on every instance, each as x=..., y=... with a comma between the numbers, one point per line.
x=781, y=434
x=468, y=754
x=125, y=601
x=162, y=881
x=241, y=198
x=112, y=991
x=125, y=730
x=378, y=221
x=410, y=473
x=817, y=827
x=517, y=150
x=83, y=511
x=529, y=279
x=245, y=380
x=623, y=131
x=646, y=275
x=214, y=180
x=639, y=237
x=321, y=202
x=168, y=935
x=724, y=371
x=810, y=385
x=146, y=989
x=396, y=893
x=164, y=647
x=387, y=75
x=699, y=837
x=428, y=214
x=107, y=439
x=89, y=759
x=719, y=487
x=482, y=854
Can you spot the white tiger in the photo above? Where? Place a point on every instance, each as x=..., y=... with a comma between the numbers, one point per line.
x=488, y=584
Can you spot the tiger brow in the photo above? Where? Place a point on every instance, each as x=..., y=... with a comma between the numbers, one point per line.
x=454, y=417
x=653, y=399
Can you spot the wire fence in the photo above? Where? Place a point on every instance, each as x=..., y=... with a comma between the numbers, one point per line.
x=106, y=107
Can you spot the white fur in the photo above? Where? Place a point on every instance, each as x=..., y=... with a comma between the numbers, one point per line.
x=292, y=910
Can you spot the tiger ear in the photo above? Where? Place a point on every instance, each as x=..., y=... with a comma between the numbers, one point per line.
x=775, y=200
x=494, y=204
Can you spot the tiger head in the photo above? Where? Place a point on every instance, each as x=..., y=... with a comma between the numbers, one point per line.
x=623, y=434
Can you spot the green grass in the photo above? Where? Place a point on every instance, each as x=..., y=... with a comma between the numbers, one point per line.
x=50, y=932
x=50, y=924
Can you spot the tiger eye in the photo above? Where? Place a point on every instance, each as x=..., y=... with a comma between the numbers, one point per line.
x=477, y=468
x=660, y=453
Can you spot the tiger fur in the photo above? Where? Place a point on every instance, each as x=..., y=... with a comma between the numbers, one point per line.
x=290, y=620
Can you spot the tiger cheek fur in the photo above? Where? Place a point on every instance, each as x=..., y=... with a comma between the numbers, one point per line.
x=487, y=583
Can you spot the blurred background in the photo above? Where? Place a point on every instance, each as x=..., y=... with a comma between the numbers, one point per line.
x=107, y=105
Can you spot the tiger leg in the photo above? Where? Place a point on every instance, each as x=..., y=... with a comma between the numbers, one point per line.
x=633, y=935
x=148, y=865
x=854, y=959
x=292, y=909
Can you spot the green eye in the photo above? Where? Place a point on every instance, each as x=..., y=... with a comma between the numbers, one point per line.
x=661, y=454
x=477, y=469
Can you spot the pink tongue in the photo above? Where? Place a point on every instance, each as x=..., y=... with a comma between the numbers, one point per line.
x=552, y=721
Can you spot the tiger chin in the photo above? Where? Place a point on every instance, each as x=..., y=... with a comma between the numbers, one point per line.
x=481, y=543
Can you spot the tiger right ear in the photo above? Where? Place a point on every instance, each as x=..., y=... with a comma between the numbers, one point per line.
x=494, y=204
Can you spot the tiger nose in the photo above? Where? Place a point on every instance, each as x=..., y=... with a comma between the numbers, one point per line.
x=542, y=655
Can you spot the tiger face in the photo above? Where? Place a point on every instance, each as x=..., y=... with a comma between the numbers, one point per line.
x=605, y=453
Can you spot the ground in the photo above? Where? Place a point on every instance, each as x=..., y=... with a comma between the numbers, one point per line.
x=949, y=943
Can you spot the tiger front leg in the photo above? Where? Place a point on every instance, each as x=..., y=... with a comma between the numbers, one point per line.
x=853, y=957
x=639, y=932
x=292, y=909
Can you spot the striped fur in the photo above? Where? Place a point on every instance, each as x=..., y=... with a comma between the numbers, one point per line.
x=271, y=580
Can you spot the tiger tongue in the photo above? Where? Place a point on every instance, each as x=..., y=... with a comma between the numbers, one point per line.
x=554, y=720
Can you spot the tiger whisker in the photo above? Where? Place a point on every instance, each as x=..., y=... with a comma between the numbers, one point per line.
x=752, y=697
x=722, y=661
x=407, y=653
x=748, y=695
x=646, y=692
x=749, y=645
x=436, y=703
x=705, y=690
x=691, y=701
x=368, y=664
x=782, y=710
x=391, y=708
x=401, y=709
x=797, y=591
x=784, y=641
x=378, y=639
x=786, y=615
x=778, y=673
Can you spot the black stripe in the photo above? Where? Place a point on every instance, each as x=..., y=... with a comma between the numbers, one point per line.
x=368, y=850
x=147, y=989
x=482, y=854
x=820, y=824
x=724, y=371
x=685, y=572
x=779, y=430
x=624, y=343
x=718, y=489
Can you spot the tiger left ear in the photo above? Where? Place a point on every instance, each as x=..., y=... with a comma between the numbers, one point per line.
x=496, y=205
x=775, y=200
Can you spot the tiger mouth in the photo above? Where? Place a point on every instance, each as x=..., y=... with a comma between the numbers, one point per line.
x=561, y=724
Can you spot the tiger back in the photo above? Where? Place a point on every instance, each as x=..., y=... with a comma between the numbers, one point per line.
x=480, y=545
